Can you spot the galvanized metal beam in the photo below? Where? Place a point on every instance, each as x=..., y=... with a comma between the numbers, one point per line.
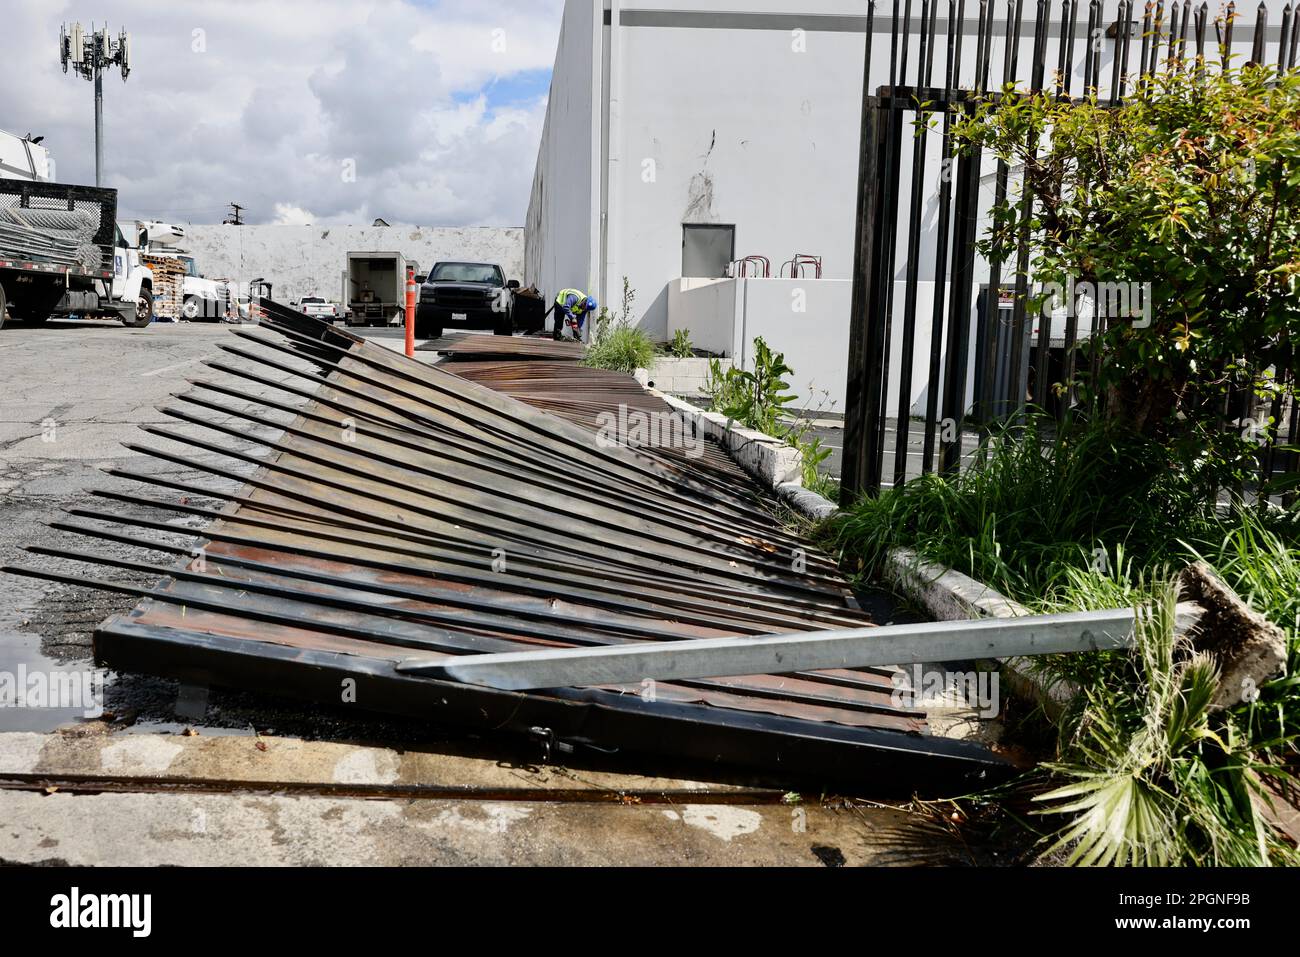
x=780, y=654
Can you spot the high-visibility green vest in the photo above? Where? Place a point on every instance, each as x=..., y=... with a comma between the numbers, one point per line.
x=562, y=301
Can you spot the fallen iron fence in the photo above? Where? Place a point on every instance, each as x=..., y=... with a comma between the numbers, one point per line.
x=942, y=344
x=372, y=515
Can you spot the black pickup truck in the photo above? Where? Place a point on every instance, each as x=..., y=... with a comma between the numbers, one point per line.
x=465, y=296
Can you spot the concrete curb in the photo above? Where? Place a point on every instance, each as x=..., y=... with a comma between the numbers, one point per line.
x=806, y=503
x=944, y=593
x=948, y=595
x=768, y=459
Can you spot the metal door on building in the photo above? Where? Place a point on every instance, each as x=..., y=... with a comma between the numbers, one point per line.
x=707, y=250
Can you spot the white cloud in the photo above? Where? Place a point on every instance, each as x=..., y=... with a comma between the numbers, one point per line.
x=286, y=215
x=282, y=102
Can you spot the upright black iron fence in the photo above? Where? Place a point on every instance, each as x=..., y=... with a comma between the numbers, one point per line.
x=1012, y=363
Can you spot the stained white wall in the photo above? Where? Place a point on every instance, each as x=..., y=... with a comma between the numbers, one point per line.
x=753, y=128
x=310, y=260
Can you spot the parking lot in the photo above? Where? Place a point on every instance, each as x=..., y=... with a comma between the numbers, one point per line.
x=75, y=394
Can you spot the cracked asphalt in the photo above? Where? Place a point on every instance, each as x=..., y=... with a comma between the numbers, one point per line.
x=73, y=394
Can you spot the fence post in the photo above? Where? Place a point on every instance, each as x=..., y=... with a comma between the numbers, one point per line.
x=865, y=354
x=957, y=349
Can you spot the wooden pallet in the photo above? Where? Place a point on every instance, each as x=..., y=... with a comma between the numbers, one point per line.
x=168, y=285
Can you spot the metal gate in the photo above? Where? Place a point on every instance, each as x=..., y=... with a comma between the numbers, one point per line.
x=926, y=379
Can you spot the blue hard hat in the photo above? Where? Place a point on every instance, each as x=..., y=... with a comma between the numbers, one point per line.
x=591, y=304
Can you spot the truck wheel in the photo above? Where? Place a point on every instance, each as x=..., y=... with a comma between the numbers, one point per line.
x=191, y=308
x=29, y=310
x=143, y=311
x=429, y=332
x=4, y=312
x=504, y=327
x=33, y=306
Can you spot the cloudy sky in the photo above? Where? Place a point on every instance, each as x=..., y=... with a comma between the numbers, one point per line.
x=425, y=112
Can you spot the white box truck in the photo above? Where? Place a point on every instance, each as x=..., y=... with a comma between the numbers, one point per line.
x=374, y=288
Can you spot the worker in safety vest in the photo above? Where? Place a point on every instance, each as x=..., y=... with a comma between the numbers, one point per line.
x=572, y=307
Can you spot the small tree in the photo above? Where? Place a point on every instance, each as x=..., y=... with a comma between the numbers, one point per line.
x=1193, y=186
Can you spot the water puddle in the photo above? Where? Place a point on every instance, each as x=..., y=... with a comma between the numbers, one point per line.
x=38, y=693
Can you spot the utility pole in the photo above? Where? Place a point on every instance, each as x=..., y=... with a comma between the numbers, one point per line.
x=89, y=54
x=233, y=219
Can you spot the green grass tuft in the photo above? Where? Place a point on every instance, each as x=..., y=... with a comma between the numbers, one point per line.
x=620, y=348
x=1100, y=518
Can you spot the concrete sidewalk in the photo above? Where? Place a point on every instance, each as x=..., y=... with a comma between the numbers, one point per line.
x=89, y=797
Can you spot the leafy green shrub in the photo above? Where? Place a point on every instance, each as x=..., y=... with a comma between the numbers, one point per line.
x=1193, y=186
x=754, y=399
x=757, y=401
x=721, y=388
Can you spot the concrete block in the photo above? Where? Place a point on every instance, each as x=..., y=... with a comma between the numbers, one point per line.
x=1249, y=648
x=768, y=459
x=805, y=502
x=682, y=376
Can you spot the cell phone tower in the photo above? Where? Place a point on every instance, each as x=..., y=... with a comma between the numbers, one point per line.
x=90, y=54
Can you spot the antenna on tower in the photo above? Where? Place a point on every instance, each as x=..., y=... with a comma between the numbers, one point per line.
x=89, y=54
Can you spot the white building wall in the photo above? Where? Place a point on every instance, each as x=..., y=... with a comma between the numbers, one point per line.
x=745, y=113
x=708, y=310
x=563, y=211
x=806, y=320
x=751, y=127
x=310, y=260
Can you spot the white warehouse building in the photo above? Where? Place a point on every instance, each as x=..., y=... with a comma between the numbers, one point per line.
x=683, y=136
